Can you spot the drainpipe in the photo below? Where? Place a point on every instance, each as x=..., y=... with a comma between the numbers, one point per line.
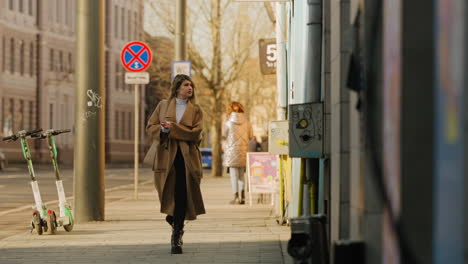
x=281, y=64
x=312, y=87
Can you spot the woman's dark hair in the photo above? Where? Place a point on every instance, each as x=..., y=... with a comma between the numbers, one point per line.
x=177, y=82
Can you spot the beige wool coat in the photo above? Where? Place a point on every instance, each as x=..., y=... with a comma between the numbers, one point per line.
x=185, y=135
x=238, y=133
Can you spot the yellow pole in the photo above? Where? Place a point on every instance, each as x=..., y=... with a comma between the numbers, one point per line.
x=301, y=188
x=281, y=188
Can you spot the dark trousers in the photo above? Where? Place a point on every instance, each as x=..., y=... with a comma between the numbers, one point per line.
x=180, y=191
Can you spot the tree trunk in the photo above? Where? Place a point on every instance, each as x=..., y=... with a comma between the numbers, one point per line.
x=217, y=161
x=217, y=166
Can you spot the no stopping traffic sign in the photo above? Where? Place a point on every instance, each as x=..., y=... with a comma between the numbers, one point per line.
x=136, y=56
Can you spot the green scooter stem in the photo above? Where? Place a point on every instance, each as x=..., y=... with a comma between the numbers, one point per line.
x=66, y=217
x=35, y=187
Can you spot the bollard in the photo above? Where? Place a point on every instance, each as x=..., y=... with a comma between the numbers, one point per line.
x=308, y=243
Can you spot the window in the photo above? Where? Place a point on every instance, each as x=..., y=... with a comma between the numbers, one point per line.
x=116, y=24
x=12, y=55
x=20, y=115
x=122, y=126
x=62, y=117
x=122, y=27
x=129, y=23
x=51, y=60
x=8, y=123
x=12, y=111
x=22, y=58
x=70, y=62
x=129, y=127
x=58, y=7
x=117, y=79
x=21, y=6
x=31, y=115
x=10, y=4
x=31, y=59
x=67, y=12
x=60, y=67
x=30, y=7
x=135, y=23
x=51, y=115
x=117, y=125
x=3, y=54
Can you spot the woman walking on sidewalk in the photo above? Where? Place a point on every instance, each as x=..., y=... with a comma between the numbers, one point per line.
x=176, y=126
x=238, y=133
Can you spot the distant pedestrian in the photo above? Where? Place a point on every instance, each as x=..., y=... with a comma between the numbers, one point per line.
x=254, y=146
x=176, y=126
x=264, y=143
x=238, y=133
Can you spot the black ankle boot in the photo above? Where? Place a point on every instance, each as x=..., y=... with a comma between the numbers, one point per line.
x=176, y=240
x=170, y=220
x=242, y=198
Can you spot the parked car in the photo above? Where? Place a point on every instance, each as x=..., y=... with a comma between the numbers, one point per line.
x=3, y=161
x=206, y=157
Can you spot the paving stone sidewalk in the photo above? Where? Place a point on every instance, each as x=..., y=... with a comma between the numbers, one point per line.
x=135, y=232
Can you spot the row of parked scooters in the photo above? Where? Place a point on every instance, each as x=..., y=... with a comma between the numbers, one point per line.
x=43, y=219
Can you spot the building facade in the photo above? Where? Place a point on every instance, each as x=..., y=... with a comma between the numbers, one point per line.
x=37, y=74
x=394, y=95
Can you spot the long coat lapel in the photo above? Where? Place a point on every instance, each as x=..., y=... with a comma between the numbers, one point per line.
x=187, y=117
x=171, y=111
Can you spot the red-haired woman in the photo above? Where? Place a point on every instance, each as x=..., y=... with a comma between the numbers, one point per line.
x=238, y=133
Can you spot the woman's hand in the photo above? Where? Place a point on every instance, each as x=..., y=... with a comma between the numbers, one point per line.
x=166, y=124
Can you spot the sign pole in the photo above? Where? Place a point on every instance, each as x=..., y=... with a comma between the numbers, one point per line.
x=137, y=112
x=136, y=57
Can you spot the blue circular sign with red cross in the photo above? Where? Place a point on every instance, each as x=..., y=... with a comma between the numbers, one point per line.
x=136, y=56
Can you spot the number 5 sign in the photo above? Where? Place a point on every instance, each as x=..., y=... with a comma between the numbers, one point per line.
x=267, y=54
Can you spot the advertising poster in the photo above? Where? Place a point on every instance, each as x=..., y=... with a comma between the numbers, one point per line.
x=262, y=172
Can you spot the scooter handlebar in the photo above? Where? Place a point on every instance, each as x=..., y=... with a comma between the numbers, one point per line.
x=57, y=132
x=28, y=133
x=38, y=136
x=33, y=132
x=12, y=137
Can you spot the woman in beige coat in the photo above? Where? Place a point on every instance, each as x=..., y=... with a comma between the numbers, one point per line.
x=238, y=133
x=175, y=126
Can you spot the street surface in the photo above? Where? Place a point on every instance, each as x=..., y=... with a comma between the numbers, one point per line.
x=16, y=197
x=134, y=231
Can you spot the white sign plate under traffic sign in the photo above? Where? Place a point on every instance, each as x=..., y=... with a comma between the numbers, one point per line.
x=137, y=77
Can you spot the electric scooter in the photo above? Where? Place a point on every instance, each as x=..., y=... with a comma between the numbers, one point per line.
x=41, y=219
x=66, y=216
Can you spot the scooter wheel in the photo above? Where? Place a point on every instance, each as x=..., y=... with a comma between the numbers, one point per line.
x=51, y=223
x=37, y=223
x=68, y=227
x=68, y=213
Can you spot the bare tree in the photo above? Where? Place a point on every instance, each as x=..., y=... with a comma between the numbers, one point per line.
x=160, y=72
x=220, y=39
x=258, y=94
